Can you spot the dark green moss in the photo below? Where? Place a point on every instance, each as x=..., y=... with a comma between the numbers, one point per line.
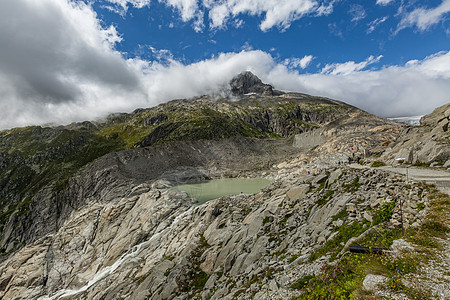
x=341, y=215
x=383, y=213
x=377, y=164
x=325, y=198
x=302, y=282
x=352, y=187
x=346, y=231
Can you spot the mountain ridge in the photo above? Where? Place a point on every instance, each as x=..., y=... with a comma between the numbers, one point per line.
x=80, y=199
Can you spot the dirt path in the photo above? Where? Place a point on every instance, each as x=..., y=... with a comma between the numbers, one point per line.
x=439, y=177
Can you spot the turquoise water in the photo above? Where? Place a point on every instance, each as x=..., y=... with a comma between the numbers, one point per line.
x=221, y=187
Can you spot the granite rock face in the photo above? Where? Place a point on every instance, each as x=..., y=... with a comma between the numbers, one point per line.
x=152, y=243
x=112, y=227
x=45, y=173
x=247, y=82
x=427, y=143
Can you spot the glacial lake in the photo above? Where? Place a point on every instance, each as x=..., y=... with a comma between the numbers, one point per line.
x=217, y=188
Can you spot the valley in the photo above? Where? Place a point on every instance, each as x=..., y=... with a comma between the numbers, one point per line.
x=89, y=210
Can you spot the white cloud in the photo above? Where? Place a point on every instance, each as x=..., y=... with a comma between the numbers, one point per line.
x=326, y=8
x=301, y=63
x=413, y=89
x=335, y=30
x=349, y=67
x=276, y=13
x=57, y=54
x=375, y=23
x=279, y=13
x=188, y=10
x=238, y=23
x=121, y=6
x=57, y=64
x=357, y=12
x=424, y=18
x=384, y=2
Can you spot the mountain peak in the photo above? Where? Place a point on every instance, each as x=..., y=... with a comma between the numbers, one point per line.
x=247, y=82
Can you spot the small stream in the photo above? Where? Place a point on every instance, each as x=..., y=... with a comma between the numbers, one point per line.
x=106, y=271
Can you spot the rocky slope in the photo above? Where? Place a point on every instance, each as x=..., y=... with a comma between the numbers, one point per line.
x=153, y=244
x=37, y=164
x=427, y=143
x=89, y=213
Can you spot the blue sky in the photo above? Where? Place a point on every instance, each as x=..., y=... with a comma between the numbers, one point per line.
x=350, y=31
x=64, y=61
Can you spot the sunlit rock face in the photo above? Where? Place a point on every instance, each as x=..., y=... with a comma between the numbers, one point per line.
x=427, y=143
x=106, y=224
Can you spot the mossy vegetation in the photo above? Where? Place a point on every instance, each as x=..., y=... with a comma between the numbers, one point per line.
x=302, y=282
x=421, y=164
x=383, y=213
x=326, y=196
x=44, y=157
x=353, y=186
x=196, y=277
x=335, y=245
x=343, y=279
x=377, y=164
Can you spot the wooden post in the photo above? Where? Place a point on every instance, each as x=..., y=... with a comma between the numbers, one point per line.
x=401, y=215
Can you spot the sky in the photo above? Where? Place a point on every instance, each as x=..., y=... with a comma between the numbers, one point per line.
x=73, y=60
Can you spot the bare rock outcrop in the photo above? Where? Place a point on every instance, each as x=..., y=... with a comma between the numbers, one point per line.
x=153, y=244
x=247, y=82
x=427, y=143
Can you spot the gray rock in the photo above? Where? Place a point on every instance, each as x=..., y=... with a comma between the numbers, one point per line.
x=400, y=245
x=211, y=282
x=309, y=139
x=351, y=207
x=338, y=223
x=273, y=285
x=319, y=178
x=368, y=216
x=447, y=113
x=371, y=281
x=298, y=192
x=334, y=175
x=247, y=82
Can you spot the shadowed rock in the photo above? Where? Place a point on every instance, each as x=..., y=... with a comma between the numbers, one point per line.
x=247, y=82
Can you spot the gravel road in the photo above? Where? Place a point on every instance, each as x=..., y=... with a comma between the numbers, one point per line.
x=439, y=177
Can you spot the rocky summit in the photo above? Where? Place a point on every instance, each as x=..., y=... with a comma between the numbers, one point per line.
x=89, y=210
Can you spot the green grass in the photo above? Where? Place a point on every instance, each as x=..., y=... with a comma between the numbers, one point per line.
x=302, y=282
x=341, y=215
x=383, y=213
x=377, y=164
x=343, y=280
x=334, y=246
x=196, y=278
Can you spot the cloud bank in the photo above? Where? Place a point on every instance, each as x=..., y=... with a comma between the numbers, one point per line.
x=415, y=88
x=58, y=65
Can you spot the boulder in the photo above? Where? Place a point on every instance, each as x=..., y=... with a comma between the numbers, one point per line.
x=297, y=192
x=399, y=246
x=371, y=281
